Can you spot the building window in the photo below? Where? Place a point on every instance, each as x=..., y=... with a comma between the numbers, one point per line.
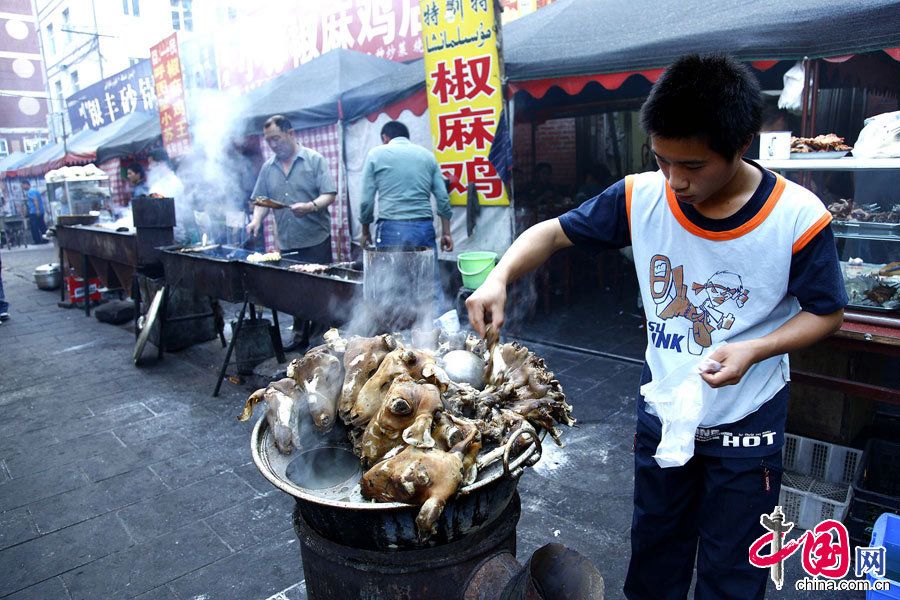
x=182, y=15
x=65, y=25
x=75, y=85
x=32, y=144
x=51, y=43
x=4, y=147
x=58, y=86
x=132, y=7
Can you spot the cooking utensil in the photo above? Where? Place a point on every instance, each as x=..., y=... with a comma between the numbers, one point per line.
x=463, y=366
x=392, y=525
x=48, y=277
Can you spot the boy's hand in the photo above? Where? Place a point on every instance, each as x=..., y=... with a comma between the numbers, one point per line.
x=486, y=305
x=736, y=358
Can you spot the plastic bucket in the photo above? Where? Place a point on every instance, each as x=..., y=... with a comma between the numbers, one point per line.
x=475, y=267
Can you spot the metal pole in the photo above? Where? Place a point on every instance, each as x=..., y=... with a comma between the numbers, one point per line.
x=97, y=39
x=44, y=64
x=234, y=337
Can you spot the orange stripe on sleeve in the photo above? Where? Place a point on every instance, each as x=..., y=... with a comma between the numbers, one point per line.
x=629, y=186
x=820, y=224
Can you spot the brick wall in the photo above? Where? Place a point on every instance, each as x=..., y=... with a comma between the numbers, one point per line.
x=555, y=144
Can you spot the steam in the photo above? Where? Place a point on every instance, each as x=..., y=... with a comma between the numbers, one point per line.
x=214, y=172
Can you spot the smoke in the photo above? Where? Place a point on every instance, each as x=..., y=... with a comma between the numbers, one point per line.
x=398, y=293
x=214, y=175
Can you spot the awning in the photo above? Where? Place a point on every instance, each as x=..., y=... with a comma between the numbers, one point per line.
x=403, y=89
x=573, y=42
x=139, y=134
x=10, y=162
x=310, y=94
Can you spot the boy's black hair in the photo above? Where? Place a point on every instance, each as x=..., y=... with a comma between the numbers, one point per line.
x=714, y=98
x=395, y=129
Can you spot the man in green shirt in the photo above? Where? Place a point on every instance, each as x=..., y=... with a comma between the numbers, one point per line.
x=405, y=176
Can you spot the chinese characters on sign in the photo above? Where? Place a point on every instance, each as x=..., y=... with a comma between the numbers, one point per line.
x=111, y=99
x=170, y=94
x=464, y=94
x=389, y=29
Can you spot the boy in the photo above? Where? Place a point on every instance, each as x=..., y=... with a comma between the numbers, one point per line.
x=724, y=251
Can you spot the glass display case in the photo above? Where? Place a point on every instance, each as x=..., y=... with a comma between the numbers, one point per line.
x=866, y=222
x=79, y=196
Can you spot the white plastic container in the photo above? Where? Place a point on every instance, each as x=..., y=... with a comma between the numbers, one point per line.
x=817, y=481
x=774, y=145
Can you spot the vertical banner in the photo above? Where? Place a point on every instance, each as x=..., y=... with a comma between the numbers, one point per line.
x=170, y=96
x=465, y=97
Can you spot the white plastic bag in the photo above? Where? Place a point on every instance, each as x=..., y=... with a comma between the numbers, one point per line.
x=880, y=138
x=680, y=400
x=792, y=94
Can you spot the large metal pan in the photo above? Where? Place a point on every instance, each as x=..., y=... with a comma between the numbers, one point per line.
x=392, y=525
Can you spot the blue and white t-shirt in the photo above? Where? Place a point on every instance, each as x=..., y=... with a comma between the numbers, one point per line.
x=705, y=281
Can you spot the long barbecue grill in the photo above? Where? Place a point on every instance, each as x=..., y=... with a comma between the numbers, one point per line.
x=224, y=272
x=115, y=256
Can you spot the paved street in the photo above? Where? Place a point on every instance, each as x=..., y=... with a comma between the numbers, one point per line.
x=119, y=482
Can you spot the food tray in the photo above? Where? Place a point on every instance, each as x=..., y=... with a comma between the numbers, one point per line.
x=817, y=481
x=865, y=228
x=813, y=155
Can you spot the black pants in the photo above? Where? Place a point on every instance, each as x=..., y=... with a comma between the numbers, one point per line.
x=321, y=254
x=706, y=511
x=38, y=227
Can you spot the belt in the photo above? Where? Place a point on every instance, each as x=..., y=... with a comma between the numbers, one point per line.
x=405, y=220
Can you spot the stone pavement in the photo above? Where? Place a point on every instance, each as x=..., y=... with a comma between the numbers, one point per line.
x=118, y=482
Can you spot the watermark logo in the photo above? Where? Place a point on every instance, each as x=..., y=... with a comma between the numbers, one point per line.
x=872, y=561
x=824, y=552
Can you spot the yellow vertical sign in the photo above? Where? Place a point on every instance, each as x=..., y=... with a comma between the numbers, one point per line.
x=462, y=72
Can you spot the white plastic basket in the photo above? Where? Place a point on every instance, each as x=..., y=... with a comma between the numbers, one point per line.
x=817, y=481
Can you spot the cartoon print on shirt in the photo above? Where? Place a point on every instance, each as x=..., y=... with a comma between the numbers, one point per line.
x=669, y=293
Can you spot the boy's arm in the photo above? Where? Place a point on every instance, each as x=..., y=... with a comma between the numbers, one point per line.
x=803, y=330
x=817, y=283
x=528, y=252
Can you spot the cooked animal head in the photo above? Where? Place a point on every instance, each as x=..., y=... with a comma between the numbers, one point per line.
x=405, y=416
x=319, y=374
x=284, y=405
x=416, y=364
x=362, y=358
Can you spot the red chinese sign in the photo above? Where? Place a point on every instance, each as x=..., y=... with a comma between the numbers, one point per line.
x=464, y=94
x=282, y=36
x=169, y=85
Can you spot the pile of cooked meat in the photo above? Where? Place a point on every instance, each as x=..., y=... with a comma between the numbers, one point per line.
x=821, y=143
x=420, y=436
x=846, y=210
